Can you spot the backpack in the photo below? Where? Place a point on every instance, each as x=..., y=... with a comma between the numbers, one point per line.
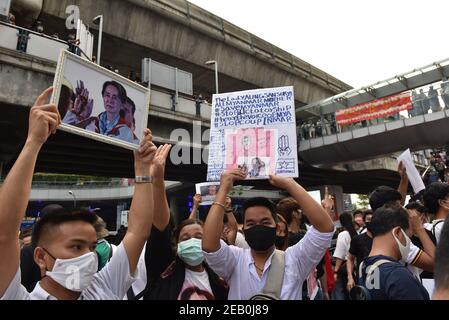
x=273, y=286
x=360, y=292
x=434, y=225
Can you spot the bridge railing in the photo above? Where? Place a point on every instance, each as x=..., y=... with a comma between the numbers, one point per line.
x=431, y=103
x=30, y=42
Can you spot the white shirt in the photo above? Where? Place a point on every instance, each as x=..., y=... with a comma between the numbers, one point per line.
x=140, y=275
x=111, y=283
x=237, y=267
x=343, y=245
x=196, y=286
x=241, y=242
x=413, y=256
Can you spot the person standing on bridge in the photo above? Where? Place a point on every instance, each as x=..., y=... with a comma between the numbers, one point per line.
x=433, y=100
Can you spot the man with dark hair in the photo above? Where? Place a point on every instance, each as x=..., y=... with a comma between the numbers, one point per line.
x=442, y=265
x=65, y=242
x=382, y=195
x=381, y=273
x=436, y=200
x=112, y=122
x=292, y=213
x=422, y=259
x=30, y=272
x=247, y=270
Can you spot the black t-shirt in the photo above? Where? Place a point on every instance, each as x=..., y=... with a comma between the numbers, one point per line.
x=396, y=282
x=360, y=247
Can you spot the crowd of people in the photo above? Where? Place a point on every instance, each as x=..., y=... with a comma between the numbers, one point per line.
x=438, y=170
x=280, y=251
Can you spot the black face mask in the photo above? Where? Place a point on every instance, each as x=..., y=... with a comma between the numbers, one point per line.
x=260, y=238
x=280, y=241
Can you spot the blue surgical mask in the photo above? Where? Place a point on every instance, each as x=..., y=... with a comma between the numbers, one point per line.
x=191, y=252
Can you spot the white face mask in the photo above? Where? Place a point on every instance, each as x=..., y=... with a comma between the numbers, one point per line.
x=404, y=250
x=75, y=274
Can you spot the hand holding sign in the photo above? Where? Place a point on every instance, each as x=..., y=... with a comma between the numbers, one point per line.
x=281, y=182
x=197, y=200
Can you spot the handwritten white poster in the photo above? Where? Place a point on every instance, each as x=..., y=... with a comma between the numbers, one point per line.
x=256, y=130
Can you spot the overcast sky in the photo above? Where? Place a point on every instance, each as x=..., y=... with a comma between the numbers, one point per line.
x=359, y=42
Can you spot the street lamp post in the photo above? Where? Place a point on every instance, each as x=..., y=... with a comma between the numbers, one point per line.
x=215, y=63
x=98, y=20
x=74, y=198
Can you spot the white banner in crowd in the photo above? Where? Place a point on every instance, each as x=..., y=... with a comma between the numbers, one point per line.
x=412, y=172
x=255, y=129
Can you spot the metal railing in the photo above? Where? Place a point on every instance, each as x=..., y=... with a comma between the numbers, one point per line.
x=422, y=103
x=30, y=42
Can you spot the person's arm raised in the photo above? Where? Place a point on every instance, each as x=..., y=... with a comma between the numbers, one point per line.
x=196, y=204
x=142, y=205
x=316, y=214
x=232, y=222
x=44, y=119
x=213, y=226
x=426, y=260
x=162, y=212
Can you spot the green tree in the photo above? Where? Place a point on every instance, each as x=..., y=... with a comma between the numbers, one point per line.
x=363, y=201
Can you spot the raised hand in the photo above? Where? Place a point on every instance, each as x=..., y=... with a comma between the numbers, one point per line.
x=328, y=201
x=402, y=170
x=143, y=157
x=197, y=199
x=229, y=177
x=415, y=221
x=81, y=102
x=44, y=119
x=281, y=182
x=159, y=161
x=87, y=111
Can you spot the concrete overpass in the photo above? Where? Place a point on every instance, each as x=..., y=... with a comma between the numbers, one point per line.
x=184, y=41
x=181, y=34
x=418, y=129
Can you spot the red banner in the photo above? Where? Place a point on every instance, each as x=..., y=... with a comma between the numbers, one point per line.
x=375, y=109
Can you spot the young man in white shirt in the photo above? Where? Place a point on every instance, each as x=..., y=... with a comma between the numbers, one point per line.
x=65, y=242
x=246, y=270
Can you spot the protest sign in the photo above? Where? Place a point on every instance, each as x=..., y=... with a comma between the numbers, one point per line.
x=256, y=130
x=208, y=191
